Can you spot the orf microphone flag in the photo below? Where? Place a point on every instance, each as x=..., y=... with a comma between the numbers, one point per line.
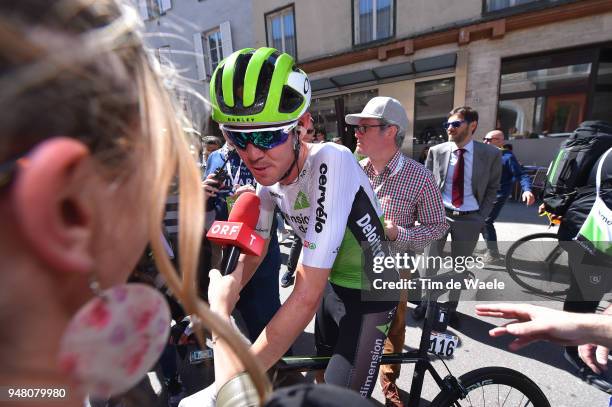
x=237, y=233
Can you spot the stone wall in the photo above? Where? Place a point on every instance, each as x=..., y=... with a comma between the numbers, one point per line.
x=484, y=57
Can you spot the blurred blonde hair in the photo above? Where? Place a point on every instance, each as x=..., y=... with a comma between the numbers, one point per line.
x=78, y=68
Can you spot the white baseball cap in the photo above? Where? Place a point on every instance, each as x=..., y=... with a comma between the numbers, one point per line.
x=383, y=108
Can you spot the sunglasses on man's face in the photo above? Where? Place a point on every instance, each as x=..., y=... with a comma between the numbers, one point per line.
x=263, y=139
x=455, y=123
x=362, y=129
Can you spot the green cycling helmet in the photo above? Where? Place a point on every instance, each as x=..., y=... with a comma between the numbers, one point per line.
x=258, y=87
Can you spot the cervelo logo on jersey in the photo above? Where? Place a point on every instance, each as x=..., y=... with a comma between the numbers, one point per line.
x=320, y=214
x=371, y=234
x=309, y=245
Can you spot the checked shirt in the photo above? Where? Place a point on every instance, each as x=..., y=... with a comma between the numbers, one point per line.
x=411, y=199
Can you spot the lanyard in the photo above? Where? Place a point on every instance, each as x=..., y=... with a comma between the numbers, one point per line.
x=235, y=179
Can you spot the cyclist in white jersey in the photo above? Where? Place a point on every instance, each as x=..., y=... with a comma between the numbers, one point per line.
x=258, y=97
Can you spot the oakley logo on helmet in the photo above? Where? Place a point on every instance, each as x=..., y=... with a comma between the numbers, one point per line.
x=240, y=119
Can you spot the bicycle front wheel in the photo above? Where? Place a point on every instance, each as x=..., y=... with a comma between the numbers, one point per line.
x=493, y=387
x=538, y=264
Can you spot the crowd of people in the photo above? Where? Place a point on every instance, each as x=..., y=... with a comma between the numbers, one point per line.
x=93, y=144
x=459, y=191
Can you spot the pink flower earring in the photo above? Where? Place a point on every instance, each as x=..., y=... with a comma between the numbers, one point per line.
x=115, y=338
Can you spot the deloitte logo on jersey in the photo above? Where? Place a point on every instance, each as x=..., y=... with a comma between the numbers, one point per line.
x=301, y=202
x=320, y=212
x=371, y=235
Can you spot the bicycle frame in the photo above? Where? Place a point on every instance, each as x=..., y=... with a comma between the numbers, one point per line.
x=419, y=357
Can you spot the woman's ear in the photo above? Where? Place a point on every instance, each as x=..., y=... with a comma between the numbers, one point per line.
x=53, y=212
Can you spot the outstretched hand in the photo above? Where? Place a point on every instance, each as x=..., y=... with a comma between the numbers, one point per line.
x=533, y=323
x=594, y=356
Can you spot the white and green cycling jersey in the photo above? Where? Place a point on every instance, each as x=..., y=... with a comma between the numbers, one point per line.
x=333, y=209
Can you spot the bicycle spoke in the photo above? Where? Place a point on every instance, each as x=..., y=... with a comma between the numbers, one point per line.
x=498, y=394
x=470, y=401
x=497, y=386
x=488, y=396
x=483, y=397
x=507, y=395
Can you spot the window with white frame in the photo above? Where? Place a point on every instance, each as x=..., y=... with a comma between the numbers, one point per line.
x=153, y=8
x=211, y=47
x=280, y=27
x=495, y=5
x=164, y=55
x=373, y=20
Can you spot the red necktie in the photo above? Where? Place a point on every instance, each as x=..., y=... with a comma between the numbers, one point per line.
x=458, y=179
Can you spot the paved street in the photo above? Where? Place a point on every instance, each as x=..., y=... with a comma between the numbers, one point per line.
x=542, y=362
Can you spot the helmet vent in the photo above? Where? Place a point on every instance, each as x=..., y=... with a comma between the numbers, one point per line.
x=241, y=65
x=290, y=100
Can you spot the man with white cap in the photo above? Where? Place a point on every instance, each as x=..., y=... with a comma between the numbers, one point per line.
x=407, y=193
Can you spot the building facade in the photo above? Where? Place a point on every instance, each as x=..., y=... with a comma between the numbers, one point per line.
x=193, y=36
x=533, y=68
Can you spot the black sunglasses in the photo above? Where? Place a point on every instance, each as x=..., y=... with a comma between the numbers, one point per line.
x=364, y=127
x=455, y=123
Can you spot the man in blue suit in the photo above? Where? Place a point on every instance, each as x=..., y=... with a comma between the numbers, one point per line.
x=511, y=171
